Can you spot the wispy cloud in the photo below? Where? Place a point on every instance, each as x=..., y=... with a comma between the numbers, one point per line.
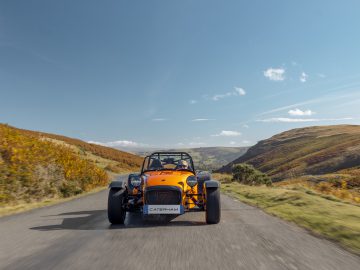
x=321, y=99
x=227, y=133
x=303, y=77
x=275, y=74
x=158, y=119
x=298, y=112
x=201, y=119
x=192, y=101
x=120, y=143
x=196, y=143
x=238, y=91
x=301, y=120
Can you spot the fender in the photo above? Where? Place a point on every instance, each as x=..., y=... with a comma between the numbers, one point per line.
x=203, y=176
x=213, y=184
x=118, y=184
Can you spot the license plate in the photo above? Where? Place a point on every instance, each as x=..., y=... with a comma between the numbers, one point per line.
x=162, y=209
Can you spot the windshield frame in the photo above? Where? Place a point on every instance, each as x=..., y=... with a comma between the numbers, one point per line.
x=182, y=155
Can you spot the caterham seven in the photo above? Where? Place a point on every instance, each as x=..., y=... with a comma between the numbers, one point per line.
x=166, y=187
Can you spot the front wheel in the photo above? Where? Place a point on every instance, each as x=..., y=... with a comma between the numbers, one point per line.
x=213, y=211
x=116, y=211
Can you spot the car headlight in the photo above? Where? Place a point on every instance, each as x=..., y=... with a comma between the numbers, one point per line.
x=191, y=181
x=135, y=181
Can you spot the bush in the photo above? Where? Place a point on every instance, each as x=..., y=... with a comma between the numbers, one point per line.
x=33, y=169
x=248, y=175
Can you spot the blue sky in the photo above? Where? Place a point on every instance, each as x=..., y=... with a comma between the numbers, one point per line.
x=178, y=73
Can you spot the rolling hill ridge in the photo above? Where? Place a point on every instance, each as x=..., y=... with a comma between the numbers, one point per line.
x=313, y=150
x=208, y=158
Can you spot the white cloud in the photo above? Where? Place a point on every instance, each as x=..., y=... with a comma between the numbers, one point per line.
x=158, y=119
x=321, y=99
x=245, y=126
x=246, y=142
x=232, y=143
x=298, y=112
x=124, y=143
x=300, y=120
x=227, y=133
x=202, y=119
x=303, y=77
x=238, y=91
x=322, y=76
x=275, y=74
x=192, y=101
x=316, y=100
x=196, y=143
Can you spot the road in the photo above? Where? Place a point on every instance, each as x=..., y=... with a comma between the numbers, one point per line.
x=77, y=235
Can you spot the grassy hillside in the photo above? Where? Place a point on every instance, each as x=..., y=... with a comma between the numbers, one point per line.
x=35, y=166
x=306, y=151
x=124, y=160
x=210, y=158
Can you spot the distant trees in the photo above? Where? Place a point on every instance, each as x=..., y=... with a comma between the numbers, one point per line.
x=248, y=175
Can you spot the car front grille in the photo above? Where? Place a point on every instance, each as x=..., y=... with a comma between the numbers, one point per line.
x=162, y=195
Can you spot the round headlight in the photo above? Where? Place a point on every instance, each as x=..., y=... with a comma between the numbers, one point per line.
x=135, y=181
x=191, y=181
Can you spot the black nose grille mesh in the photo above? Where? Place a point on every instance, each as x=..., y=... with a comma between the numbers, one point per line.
x=159, y=197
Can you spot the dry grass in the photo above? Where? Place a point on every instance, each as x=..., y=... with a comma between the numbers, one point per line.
x=342, y=186
x=325, y=215
x=128, y=161
x=22, y=207
x=304, y=151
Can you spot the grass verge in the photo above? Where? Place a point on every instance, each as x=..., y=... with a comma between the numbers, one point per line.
x=22, y=207
x=334, y=219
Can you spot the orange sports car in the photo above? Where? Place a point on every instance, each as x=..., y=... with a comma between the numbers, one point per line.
x=166, y=187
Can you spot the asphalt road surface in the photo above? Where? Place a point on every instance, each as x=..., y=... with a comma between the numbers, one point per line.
x=77, y=235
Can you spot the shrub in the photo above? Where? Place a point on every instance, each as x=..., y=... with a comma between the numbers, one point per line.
x=248, y=175
x=33, y=169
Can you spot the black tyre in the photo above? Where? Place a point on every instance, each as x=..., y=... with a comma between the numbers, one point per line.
x=213, y=211
x=116, y=211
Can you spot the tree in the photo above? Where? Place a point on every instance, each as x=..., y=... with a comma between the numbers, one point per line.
x=248, y=175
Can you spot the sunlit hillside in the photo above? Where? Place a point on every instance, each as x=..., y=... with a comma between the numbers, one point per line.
x=305, y=151
x=323, y=159
x=35, y=166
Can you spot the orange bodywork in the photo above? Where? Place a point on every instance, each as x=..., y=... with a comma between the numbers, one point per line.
x=174, y=178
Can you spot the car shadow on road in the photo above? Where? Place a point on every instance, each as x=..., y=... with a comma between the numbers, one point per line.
x=97, y=220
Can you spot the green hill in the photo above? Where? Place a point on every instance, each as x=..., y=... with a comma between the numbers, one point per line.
x=35, y=166
x=314, y=150
x=209, y=158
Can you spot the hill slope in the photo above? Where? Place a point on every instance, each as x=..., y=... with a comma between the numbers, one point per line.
x=312, y=150
x=35, y=166
x=126, y=161
x=209, y=158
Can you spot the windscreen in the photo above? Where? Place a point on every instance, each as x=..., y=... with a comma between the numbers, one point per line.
x=168, y=161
